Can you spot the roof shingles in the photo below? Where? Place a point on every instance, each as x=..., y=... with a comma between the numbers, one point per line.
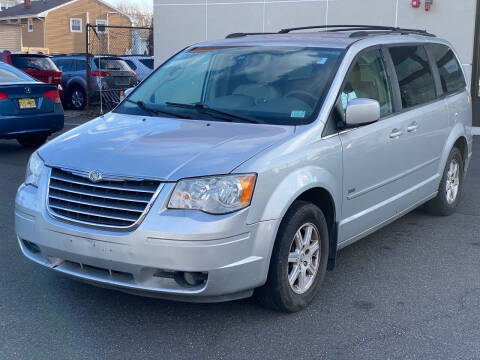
x=36, y=8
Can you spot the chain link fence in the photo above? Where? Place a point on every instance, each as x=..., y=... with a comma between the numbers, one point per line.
x=118, y=58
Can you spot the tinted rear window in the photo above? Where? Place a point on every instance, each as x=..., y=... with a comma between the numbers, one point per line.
x=414, y=75
x=111, y=64
x=33, y=62
x=451, y=74
x=147, y=62
x=10, y=74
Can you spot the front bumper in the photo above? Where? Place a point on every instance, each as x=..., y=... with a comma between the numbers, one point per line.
x=231, y=254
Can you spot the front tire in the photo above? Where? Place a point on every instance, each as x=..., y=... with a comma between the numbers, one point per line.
x=32, y=141
x=299, y=259
x=449, y=190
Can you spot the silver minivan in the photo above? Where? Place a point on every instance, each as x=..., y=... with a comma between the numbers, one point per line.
x=243, y=165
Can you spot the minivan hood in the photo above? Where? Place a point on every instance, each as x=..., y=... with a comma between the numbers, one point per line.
x=159, y=148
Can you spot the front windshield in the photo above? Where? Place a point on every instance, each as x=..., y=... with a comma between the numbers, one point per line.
x=273, y=85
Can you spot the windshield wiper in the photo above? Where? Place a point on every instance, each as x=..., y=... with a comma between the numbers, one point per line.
x=152, y=111
x=206, y=109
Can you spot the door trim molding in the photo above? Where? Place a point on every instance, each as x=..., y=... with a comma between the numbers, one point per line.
x=392, y=179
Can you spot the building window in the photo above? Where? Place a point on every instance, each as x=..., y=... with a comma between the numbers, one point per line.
x=76, y=25
x=30, y=25
x=101, y=26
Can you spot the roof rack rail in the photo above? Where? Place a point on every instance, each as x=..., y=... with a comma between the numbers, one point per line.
x=357, y=30
x=361, y=30
x=237, y=35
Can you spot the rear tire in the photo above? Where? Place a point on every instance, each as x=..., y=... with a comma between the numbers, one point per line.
x=32, y=141
x=450, y=188
x=78, y=98
x=297, y=271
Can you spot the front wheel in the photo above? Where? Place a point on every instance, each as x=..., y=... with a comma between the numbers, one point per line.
x=299, y=259
x=449, y=190
x=32, y=141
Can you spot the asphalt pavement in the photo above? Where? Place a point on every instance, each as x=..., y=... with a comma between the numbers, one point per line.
x=409, y=291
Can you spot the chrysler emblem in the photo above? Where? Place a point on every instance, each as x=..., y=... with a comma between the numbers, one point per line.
x=95, y=176
x=28, y=90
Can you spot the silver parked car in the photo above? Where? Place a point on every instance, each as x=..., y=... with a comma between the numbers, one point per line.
x=245, y=164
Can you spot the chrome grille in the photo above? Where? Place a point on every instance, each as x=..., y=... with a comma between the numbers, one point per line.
x=109, y=203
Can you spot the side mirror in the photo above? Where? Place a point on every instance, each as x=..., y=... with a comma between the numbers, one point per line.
x=362, y=111
x=128, y=91
x=125, y=93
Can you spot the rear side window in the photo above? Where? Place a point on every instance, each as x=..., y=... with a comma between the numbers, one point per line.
x=414, y=75
x=451, y=74
x=131, y=64
x=147, y=62
x=80, y=65
x=33, y=62
x=368, y=79
x=65, y=65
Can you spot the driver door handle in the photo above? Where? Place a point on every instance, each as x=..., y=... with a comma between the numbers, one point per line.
x=395, y=134
x=413, y=127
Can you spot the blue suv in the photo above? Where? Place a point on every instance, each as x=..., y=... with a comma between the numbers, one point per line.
x=107, y=74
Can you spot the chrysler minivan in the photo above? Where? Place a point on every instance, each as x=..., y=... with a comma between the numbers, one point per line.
x=243, y=165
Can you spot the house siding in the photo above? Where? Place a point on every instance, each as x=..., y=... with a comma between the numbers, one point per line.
x=61, y=40
x=11, y=37
x=36, y=37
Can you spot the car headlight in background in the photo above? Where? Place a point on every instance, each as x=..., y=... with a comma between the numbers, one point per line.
x=214, y=194
x=34, y=170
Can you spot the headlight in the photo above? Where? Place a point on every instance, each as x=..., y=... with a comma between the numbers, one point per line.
x=214, y=194
x=34, y=170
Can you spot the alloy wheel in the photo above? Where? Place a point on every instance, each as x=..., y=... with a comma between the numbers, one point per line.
x=304, y=258
x=77, y=99
x=452, y=184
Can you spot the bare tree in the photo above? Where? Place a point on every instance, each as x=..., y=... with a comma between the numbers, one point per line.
x=139, y=17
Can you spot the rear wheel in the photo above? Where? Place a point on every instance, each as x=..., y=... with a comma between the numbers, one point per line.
x=299, y=259
x=446, y=201
x=32, y=141
x=78, y=98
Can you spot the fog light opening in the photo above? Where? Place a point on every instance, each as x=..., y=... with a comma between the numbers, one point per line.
x=190, y=278
x=32, y=247
x=194, y=278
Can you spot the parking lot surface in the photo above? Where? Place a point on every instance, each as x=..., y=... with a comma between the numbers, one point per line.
x=409, y=291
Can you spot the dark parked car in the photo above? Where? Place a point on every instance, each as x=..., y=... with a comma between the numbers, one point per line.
x=29, y=110
x=107, y=73
x=37, y=65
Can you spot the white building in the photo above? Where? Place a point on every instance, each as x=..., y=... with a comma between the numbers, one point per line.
x=178, y=23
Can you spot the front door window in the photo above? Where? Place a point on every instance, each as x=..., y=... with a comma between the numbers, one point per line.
x=368, y=79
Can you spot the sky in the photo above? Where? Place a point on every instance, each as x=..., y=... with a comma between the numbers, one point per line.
x=141, y=4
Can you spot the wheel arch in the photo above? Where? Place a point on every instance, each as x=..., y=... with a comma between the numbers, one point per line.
x=322, y=198
x=462, y=145
x=456, y=138
x=75, y=82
